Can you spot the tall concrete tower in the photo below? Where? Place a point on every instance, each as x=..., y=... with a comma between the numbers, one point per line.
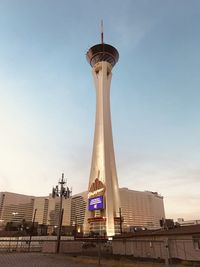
x=103, y=194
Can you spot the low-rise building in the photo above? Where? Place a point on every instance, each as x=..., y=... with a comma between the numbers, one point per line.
x=181, y=243
x=183, y=222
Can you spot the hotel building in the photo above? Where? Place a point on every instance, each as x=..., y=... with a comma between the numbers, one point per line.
x=139, y=209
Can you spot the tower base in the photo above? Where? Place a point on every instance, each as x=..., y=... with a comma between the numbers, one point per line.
x=97, y=226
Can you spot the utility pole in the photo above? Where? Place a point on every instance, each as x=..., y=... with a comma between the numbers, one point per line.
x=60, y=191
x=120, y=219
x=32, y=229
x=75, y=227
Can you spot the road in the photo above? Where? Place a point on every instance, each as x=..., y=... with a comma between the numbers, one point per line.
x=38, y=260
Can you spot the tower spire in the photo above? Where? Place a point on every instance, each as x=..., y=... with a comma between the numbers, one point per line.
x=102, y=31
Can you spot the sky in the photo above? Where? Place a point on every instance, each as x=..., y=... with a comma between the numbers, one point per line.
x=47, y=96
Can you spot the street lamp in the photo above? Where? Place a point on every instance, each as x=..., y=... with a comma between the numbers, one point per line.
x=60, y=191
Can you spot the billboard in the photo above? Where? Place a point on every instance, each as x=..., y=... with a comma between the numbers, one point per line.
x=95, y=203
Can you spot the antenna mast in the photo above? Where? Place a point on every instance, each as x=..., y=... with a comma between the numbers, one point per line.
x=102, y=31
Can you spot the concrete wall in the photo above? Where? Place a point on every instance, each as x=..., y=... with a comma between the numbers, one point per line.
x=65, y=247
x=184, y=248
x=140, y=249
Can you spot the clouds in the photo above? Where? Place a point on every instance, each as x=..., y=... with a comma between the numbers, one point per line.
x=182, y=206
x=131, y=34
x=175, y=176
x=176, y=179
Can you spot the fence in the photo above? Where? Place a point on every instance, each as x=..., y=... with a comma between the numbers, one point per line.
x=28, y=252
x=166, y=249
x=48, y=245
x=27, y=243
x=19, y=244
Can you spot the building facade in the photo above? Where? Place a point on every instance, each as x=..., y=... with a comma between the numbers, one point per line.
x=41, y=205
x=78, y=211
x=141, y=209
x=15, y=207
x=138, y=209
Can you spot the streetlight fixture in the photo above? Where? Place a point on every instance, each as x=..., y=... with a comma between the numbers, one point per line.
x=60, y=191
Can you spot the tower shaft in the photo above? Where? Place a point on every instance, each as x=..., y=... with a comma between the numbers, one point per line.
x=103, y=158
x=103, y=193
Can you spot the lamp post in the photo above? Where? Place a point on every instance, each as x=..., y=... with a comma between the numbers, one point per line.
x=60, y=191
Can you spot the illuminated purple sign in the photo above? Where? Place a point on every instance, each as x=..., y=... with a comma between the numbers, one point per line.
x=95, y=203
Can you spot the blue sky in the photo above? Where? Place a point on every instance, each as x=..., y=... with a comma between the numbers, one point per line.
x=47, y=96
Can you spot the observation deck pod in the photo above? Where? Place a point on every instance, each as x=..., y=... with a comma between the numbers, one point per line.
x=102, y=52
